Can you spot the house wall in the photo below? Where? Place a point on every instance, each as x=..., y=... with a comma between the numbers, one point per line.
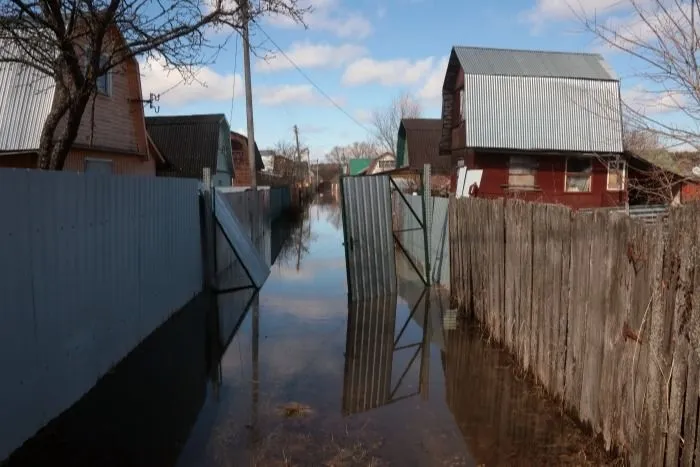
x=91, y=266
x=549, y=179
x=690, y=192
x=121, y=164
x=18, y=161
x=241, y=166
x=118, y=118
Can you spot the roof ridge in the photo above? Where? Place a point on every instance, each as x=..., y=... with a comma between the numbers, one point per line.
x=561, y=52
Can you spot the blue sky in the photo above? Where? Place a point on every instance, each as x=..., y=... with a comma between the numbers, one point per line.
x=364, y=53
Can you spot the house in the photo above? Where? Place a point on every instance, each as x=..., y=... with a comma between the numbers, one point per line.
x=239, y=153
x=113, y=140
x=417, y=144
x=662, y=177
x=379, y=164
x=358, y=166
x=543, y=126
x=189, y=143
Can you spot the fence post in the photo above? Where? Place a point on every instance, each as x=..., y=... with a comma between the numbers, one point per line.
x=427, y=221
x=208, y=228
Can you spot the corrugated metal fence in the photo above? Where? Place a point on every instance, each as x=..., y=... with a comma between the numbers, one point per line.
x=649, y=214
x=89, y=266
x=411, y=235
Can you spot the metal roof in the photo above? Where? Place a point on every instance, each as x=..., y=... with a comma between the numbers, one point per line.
x=188, y=142
x=26, y=98
x=542, y=113
x=509, y=62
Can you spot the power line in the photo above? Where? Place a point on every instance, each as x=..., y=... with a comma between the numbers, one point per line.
x=233, y=91
x=318, y=88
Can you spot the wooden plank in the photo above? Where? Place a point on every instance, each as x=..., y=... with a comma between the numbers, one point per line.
x=679, y=380
x=539, y=266
x=564, y=233
x=512, y=272
x=525, y=299
x=499, y=268
x=690, y=446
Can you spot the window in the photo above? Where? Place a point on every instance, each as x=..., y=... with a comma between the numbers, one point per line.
x=578, y=174
x=521, y=172
x=386, y=165
x=616, y=175
x=98, y=166
x=104, y=82
x=461, y=105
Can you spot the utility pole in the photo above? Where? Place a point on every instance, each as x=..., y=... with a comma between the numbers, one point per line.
x=249, y=94
x=298, y=164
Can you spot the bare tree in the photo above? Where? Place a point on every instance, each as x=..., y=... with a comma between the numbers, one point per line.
x=386, y=121
x=663, y=36
x=341, y=155
x=78, y=41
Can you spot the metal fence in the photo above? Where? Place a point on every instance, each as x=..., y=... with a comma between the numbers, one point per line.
x=646, y=213
x=89, y=266
x=411, y=235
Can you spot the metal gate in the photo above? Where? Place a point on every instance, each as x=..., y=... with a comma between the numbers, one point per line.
x=370, y=236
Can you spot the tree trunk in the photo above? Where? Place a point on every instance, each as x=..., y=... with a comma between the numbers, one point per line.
x=46, y=141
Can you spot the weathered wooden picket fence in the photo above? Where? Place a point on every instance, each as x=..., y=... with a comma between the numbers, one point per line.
x=602, y=309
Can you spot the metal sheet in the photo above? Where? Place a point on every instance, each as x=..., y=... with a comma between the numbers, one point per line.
x=369, y=244
x=240, y=241
x=508, y=62
x=556, y=114
x=26, y=98
x=369, y=354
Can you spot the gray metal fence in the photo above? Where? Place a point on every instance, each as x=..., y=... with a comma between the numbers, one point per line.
x=411, y=235
x=89, y=266
x=646, y=213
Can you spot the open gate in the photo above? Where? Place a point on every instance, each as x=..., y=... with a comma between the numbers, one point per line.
x=370, y=234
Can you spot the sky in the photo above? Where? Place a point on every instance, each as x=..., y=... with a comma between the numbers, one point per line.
x=363, y=53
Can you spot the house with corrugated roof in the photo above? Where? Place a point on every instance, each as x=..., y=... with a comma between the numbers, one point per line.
x=189, y=143
x=543, y=126
x=112, y=134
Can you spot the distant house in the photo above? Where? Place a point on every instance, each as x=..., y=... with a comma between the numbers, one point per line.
x=383, y=163
x=114, y=141
x=543, y=126
x=268, y=160
x=663, y=177
x=239, y=148
x=358, y=166
x=189, y=143
x=418, y=143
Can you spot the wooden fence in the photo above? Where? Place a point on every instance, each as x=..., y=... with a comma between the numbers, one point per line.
x=603, y=310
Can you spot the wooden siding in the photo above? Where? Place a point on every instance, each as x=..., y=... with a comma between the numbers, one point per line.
x=118, y=118
x=549, y=180
x=121, y=164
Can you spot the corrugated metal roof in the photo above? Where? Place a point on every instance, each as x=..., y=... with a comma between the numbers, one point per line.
x=543, y=113
x=188, y=142
x=26, y=98
x=508, y=62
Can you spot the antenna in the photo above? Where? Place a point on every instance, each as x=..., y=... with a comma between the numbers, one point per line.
x=151, y=101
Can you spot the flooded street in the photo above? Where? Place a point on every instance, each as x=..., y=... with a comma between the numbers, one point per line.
x=302, y=378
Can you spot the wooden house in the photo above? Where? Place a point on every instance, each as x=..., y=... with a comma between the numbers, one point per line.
x=543, y=126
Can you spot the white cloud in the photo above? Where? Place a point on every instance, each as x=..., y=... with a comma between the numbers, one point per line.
x=329, y=16
x=302, y=94
x=308, y=55
x=432, y=89
x=388, y=73
x=204, y=84
x=648, y=102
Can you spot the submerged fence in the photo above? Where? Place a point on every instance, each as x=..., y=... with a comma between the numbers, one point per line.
x=411, y=235
x=603, y=310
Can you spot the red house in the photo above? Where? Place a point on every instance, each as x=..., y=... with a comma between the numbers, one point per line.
x=543, y=126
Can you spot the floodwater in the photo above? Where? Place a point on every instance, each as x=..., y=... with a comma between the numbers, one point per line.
x=302, y=378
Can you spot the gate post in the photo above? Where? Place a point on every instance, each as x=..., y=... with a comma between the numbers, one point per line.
x=427, y=220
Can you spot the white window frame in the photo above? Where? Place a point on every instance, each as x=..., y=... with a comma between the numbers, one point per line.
x=622, y=167
x=461, y=105
x=107, y=76
x=100, y=160
x=566, y=176
x=522, y=165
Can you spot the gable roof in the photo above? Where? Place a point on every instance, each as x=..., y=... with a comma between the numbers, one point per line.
x=420, y=138
x=188, y=142
x=534, y=63
x=356, y=166
x=678, y=163
x=533, y=101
